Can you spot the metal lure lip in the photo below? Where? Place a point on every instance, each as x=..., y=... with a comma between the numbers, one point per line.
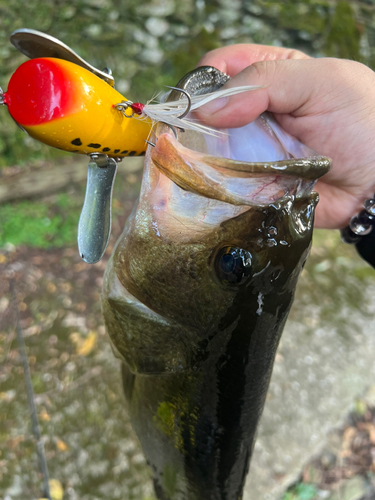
x=33, y=44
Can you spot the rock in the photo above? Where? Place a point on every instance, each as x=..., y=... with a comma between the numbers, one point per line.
x=227, y=33
x=44, y=180
x=156, y=26
x=160, y=8
x=154, y=56
x=94, y=30
x=370, y=396
x=352, y=489
x=318, y=375
x=98, y=4
x=68, y=12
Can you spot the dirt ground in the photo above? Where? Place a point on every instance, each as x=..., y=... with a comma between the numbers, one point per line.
x=91, y=450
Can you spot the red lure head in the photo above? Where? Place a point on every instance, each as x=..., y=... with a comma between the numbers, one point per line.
x=39, y=91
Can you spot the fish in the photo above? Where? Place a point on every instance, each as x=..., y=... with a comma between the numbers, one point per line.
x=198, y=289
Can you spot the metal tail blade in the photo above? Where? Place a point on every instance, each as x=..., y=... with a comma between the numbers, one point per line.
x=94, y=226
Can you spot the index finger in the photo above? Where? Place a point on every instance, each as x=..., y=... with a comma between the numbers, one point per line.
x=234, y=58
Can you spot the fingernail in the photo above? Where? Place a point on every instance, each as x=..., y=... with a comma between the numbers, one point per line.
x=212, y=107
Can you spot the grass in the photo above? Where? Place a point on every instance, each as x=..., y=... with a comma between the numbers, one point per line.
x=301, y=491
x=37, y=224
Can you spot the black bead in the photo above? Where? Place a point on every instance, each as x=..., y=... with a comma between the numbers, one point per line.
x=348, y=236
x=365, y=218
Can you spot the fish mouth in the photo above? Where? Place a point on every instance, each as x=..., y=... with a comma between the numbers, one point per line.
x=233, y=181
x=211, y=178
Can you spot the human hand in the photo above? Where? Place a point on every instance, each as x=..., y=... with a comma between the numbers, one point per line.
x=328, y=104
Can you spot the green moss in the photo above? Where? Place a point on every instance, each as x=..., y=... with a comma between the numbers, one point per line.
x=301, y=491
x=343, y=39
x=177, y=62
x=37, y=224
x=307, y=16
x=184, y=58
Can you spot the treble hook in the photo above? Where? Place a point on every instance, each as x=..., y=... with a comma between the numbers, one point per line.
x=2, y=96
x=187, y=95
x=173, y=129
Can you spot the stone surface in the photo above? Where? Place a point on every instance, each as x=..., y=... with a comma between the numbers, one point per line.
x=353, y=489
x=325, y=360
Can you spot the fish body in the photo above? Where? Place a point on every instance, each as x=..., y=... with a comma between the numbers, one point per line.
x=66, y=106
x=197, y=293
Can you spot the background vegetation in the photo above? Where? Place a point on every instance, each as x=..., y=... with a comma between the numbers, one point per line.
x=151, y=44
x=147, y=44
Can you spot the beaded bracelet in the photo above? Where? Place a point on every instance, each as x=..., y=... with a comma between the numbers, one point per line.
x=361, y=224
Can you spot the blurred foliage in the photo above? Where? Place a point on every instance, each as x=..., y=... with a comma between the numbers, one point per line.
x=154, y=43
x=39, y=224
x=344, y=37
x=149, y=45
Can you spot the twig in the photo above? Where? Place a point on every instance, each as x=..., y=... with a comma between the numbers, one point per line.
x=30, y=394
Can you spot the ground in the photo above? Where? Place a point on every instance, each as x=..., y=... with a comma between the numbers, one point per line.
x=90, y=447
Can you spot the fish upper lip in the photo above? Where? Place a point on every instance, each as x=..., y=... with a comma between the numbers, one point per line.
x=235, y=182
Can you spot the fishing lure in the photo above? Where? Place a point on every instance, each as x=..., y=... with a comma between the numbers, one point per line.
x=61, y=100
x=66, y=106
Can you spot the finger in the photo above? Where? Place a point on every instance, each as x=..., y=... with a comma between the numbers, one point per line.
x=234, y=58
x=287, y=85
x=336, y=206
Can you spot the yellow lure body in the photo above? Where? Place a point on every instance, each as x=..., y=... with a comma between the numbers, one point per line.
x=66, y=106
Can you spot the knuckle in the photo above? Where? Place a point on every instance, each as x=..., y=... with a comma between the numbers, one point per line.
x=265, y=70
x=297, y=54
x=346, y=69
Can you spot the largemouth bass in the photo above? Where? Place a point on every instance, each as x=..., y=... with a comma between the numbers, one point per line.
x=198, y=290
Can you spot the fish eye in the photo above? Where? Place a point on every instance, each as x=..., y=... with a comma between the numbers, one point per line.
x=233, y=265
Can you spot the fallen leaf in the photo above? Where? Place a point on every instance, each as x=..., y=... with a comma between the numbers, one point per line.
x=43, y=415
x=32, y=330
x=56, y=489
x=84, y=345
x=347, y=439
x=4, y=303
x=14, y=442
x=51, y=288
x=370, y=428
x=61, y=445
